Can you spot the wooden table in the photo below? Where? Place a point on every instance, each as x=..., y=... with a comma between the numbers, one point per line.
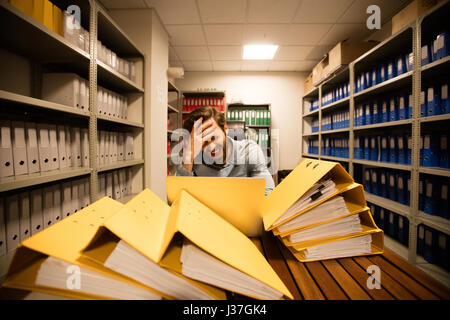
x=346, y=278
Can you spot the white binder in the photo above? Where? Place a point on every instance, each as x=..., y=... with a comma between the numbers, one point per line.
x=66, y=200
x=125, y=108
x=129, y=148
x=19, y=148
x=109, y=184
x=53, y=147
x=109, y=104
x=37, y=219
x=101, y=147
x=2, y=228
x=129, y=180
x=12, y=222
x=75, y=141
x=62, y=152
x=85, y=147
x=87, y=196
x=120, y=147
x=80, y=185
x=6, y=154
x=116, y=185
x=114, y=105
x=82, y=94
x=24, y=215
x=100, y=101
x=102, y=185
x=57, y=215
x=122, y=183
x=88, y=108
x=105, y=101
x=45, y=153
x=62, y=88
x=115, y=149
x=107, y=146
x=111, y=146
x=75, y=202
x=69, y=154
x=47, y=207
x=32, y=147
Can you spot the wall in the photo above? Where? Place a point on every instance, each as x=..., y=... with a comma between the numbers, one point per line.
x=146, y=30
x=283, y=90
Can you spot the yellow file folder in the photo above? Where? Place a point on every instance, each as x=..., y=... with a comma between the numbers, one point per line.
x=297, y=183
x=43, y=12
x=148, y=224
x=64, y=240
x=26, y=6
x=355, y=201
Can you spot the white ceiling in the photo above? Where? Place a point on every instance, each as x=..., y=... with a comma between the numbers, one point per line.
x=208, y=35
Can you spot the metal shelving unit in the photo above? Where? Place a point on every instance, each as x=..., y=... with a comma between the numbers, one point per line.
x=409, y=37
x=173, y=108
x=42, y=46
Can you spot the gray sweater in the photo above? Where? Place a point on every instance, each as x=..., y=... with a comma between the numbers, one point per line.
x=245, y=160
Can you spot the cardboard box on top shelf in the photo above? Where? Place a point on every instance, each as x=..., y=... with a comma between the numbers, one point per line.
x=338, y=58
x=410, y=13
x=308, y=86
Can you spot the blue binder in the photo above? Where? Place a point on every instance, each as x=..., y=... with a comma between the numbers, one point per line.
x=421, y=194
x=358, y=148
x=373, y=153
x=384, y=157
x=375, y=77
x=442, y=44
x=442, y=251
x=431, y=196
x=393, y=114
x=384, y=111
x=366, y=148
x=367, y=180
x=444, y=151
x=421, y=151
x=410, y=106
x=430, y=150
x=401, y=187
x=401, y=65
x=408, y=191
x=375, y=113
x=445, y=101
x=368, y=113
x=430, y=240
x=426, y=55
x=382, y=216
x=393, y=154
x=433, y=101
x=374, y=181
x=443, y=197
x=367, y=80
x=382, y=188
x=423, y=104
x=401, y=146
x=383, y=73
x=410, y=61
x=420, y=239
x=391, y=229
x=402, y=108
x=403, y=230
x=392, y=188
x=391, y=70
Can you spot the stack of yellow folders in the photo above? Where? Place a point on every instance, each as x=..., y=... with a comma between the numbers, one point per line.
x=319, y=212
x=144, y=249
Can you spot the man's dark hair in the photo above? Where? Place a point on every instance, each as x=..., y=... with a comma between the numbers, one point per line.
x=206, y=113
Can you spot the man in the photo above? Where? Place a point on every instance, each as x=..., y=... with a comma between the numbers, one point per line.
x=212, y=153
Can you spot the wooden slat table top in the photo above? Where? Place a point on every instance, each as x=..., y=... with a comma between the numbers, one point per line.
x=346, y=278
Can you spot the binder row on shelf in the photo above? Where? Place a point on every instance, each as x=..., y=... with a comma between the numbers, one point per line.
x=434, y=99
x=433, y=195
x=190, y=104
x=27, y=147
x=434, y=151
x=390, y=109
x=67, y=89
x=384, y=71
x=26, y=213
x=438, y=48
x=336, y=120
x=260, y=137
x=251, y=117
x=312, y=105
x=114, y=146
x=335, y=147
x=125, y=67
x=115, y=184
x=394, y=225
x=313, y=146
x=390, y=184
x=44, y=12
x=340, y=92
x=111, y=104
x=433, y=246
x=391, y=148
